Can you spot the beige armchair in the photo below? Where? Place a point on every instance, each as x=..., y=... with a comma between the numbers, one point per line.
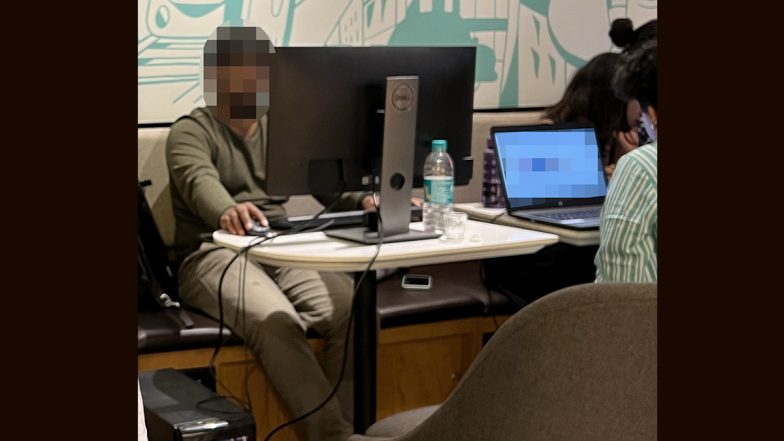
x=577, y=364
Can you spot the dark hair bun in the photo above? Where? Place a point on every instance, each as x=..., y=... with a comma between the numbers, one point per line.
x=621, y=32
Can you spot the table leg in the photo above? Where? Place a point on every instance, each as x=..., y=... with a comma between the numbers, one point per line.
x=365, y=349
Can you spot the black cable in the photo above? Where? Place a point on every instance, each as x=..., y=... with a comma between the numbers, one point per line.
x=482, y=276
x=483, y=279
x=222, y=340
x=257, y=241
x=346, y=342
x=243, y=310
x=202, y=405
x=243, y=251
x=345, y=355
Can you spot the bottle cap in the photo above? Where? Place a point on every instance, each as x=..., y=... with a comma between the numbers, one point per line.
x=439, y=145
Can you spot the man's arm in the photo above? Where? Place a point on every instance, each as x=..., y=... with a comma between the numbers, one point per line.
x=358, y=201
x=346, y=201
x=193, y=174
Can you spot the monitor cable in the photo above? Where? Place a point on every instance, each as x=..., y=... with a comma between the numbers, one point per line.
x=346, y=341
x=483, y=279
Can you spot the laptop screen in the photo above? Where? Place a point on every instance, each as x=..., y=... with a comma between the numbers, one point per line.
x=550, y=166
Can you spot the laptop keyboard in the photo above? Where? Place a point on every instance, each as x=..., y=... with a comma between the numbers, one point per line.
x=576, y=214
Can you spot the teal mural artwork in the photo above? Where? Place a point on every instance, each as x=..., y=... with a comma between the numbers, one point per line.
x=527, y=50
x=289, y=24
x=171, y=36
x=548, y=40
x=438, y=27
x=170, y=51
x=509, y=90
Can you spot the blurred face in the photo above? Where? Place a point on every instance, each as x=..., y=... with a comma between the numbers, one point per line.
x=241, y=92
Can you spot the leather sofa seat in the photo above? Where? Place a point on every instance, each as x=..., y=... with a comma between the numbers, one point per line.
x=164, y=330
x=457, y=293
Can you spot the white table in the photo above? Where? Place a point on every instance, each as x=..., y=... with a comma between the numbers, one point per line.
x=319, y=252
x=477, y=211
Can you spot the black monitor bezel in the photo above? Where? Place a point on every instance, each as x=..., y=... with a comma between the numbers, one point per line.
x=289, y=172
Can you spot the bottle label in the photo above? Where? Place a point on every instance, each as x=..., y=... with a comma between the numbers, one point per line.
x=439, y=189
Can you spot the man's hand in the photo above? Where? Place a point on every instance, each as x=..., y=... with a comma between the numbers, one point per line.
x=239, y=218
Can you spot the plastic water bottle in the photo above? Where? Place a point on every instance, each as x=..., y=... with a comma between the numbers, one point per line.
x=439, y=185
x=492, y=193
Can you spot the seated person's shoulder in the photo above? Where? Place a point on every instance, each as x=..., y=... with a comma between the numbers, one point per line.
x=641, y=161
x=199, y=120
x=196, y=129
x=647, y=153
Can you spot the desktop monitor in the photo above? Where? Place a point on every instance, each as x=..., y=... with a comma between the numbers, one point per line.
x=326, y=118
x=363, y=118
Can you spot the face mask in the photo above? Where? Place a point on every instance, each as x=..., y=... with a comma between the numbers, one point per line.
x=642, y=134
x=648, y=125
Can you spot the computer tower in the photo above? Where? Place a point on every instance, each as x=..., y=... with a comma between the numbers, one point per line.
x=177, y=408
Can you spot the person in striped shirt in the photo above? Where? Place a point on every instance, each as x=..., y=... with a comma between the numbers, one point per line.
x=628, y=238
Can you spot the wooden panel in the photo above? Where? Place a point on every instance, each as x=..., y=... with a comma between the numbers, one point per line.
x=175, y=360
x=187, y=359
x=418, y=373
x=420, y=365
x=246, y=381
x=474, y=325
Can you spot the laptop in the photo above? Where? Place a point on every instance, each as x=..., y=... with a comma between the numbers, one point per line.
x=552, y=174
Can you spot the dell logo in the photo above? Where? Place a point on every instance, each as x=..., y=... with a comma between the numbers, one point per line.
x=402, y=98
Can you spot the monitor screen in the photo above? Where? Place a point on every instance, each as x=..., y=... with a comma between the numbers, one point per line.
x=326, y=117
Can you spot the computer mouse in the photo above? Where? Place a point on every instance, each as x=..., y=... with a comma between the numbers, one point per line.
x=257, y=230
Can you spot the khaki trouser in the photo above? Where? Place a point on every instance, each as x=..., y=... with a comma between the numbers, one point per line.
x=279, y=304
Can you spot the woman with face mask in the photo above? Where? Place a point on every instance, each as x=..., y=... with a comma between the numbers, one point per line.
x=631, y=133
x=628, y=241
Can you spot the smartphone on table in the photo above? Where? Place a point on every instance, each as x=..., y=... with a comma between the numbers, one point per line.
x=419, y=282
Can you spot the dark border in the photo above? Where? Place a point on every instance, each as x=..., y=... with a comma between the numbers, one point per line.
x=718, y=324
x=68, y=216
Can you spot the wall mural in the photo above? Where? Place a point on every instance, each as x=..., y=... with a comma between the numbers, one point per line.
x=527, y=50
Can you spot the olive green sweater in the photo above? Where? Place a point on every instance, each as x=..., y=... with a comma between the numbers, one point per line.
x=211, y=168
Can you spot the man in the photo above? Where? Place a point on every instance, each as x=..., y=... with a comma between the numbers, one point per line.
x=215, y=158
x=628, y=241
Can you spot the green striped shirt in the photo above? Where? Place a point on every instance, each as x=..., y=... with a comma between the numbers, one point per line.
x=627, y=247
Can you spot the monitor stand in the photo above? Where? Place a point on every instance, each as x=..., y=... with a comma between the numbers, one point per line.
x=362, y=235
x=397, y=165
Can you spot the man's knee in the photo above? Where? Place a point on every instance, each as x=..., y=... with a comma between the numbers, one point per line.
x=341, y=294
x=276, y=328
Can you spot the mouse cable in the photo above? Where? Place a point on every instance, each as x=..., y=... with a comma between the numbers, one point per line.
x=243, y=251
